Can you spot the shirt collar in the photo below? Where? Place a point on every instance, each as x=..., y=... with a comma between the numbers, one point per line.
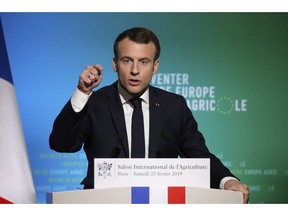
x=125, y=96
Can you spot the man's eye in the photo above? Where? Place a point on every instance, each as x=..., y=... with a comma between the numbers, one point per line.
x=126, y=61
x=143, y=62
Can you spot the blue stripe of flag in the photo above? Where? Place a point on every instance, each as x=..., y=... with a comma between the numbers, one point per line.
x=5, y=72
x=140, y=195
x=49, y=198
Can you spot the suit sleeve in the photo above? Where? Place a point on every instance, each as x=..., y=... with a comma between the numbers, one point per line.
x=69, y=130
x=194, y=145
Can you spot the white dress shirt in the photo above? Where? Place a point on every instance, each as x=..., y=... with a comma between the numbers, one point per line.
x=128, y=111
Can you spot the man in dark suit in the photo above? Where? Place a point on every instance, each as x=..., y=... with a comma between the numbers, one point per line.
x=102, y=120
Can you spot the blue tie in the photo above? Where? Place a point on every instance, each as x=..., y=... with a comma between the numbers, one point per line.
x=138, y=141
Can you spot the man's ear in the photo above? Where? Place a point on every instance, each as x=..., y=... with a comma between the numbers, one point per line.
x=115, y=65
x=155, y=69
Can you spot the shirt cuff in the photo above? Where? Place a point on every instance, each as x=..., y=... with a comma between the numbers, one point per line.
x=224, y=180
x=79, y=100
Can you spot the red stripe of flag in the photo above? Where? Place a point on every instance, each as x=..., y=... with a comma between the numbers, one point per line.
x=176, y=195
x=4, y=201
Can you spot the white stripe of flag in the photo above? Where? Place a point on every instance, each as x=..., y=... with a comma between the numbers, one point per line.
x=16, y=182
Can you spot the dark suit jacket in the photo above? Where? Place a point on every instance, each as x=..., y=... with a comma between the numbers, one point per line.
x=100, y=126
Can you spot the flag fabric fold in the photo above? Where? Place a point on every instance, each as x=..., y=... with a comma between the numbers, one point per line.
x=16, y=182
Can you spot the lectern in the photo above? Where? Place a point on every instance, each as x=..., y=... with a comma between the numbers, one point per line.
x=154, y=181
x=146, y=195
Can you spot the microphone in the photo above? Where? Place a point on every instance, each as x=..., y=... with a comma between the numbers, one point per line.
x=116, y=149
x=169, y=138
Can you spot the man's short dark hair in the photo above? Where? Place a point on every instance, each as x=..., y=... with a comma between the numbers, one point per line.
x=139, y=35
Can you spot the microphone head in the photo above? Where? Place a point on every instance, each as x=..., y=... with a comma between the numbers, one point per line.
x=121, y=135
x=169, y=138
x=167, y=135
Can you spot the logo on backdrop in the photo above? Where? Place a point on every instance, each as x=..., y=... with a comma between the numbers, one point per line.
x=104, y=169
x=199, y=98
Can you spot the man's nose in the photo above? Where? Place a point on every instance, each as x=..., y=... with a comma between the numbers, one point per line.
x=134, y=68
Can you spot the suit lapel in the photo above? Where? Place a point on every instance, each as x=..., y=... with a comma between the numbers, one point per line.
x=155, y=122
x=114, y=105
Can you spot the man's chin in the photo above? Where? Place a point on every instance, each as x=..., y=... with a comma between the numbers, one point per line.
x=135, y=91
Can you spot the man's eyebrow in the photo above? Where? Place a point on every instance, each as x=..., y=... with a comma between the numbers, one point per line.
x=143, y=58
x=126, y=57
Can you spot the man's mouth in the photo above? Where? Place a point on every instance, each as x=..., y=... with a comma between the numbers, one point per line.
x=134, y=82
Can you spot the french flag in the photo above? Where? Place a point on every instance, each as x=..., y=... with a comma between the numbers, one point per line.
x=16, y=182
x=158, y=195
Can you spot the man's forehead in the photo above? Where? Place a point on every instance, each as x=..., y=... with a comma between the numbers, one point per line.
x=129, y=46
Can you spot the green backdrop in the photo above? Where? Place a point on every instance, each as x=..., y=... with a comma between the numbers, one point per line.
x=231, y=67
